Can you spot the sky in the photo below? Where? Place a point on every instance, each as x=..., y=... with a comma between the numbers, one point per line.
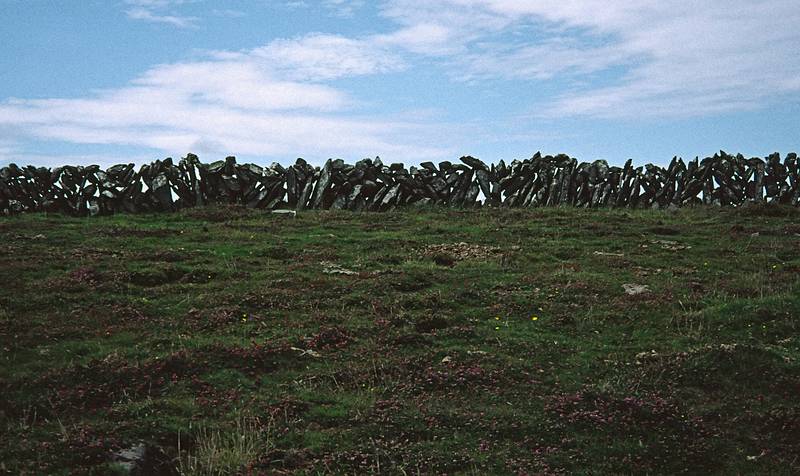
x=118, y=81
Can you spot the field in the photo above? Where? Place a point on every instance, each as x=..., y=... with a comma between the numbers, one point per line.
x=507, y=341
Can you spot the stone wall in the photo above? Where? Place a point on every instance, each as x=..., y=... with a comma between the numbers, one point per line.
x=371, y=185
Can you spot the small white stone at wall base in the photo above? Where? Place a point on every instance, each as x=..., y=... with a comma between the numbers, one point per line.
x=293, y=213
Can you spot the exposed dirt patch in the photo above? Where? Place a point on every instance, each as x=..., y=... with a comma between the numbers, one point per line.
x=281, y=461
x=102, y=320
x=93, y=254
x=717, y=368
x=221, y=213
x=277, y=252
x=198, y=276
x=80, y=445
x=599, y=229
x=86, y=277
x=462, y=251
x=167, y=256
x=793, y=229
x=738, y=230
x=588, y=408
x=431, y=324
x=254, y=359
x=408, y=283
x=127, y=232
x=329, y=338
x=766, y=210
x=664, y=230
x=639, y=418
x=101, y=383
x=444, y=259
x=272, y=299
x=211, y=319
x=411, y=340
x=746, y=231
x=157, y=276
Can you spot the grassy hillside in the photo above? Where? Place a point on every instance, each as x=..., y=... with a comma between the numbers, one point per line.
x=430, y=341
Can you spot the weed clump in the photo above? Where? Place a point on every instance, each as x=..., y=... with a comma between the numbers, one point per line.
x=233, y=449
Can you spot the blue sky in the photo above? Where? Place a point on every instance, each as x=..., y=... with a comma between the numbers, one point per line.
x=135, y=80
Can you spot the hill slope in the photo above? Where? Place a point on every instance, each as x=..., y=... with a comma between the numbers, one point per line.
x=433, y=341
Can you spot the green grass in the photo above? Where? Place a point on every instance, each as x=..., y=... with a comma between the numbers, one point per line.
x=216, y=336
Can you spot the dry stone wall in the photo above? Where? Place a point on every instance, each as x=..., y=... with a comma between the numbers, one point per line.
x=372, y=185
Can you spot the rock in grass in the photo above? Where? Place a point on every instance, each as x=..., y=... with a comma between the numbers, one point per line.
x=332, y=268
x=635, y=289
x=292, y=213
x=132, y=460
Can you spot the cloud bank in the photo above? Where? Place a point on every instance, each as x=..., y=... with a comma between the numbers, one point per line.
x=612, y=60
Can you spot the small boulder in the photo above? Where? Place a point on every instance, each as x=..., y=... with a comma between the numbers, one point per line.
x=133, y=460
x=635, y=289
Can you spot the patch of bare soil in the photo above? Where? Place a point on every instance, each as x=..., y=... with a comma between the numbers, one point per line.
x=760, y=210
x=219, y=213
x=448, y=253
x=123, y=231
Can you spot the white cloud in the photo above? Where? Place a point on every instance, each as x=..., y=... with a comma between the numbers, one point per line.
x=150, y=16
x=679, y=58
x=661, y=57
x=319, y=57
x=242, y=84
x=339, y=8
x=344, y=8
x=544, y=61
x=157, y=11
x=220, y=130
x=234, y=103
x=423, y=38
x=655, y=58
x=296, y=4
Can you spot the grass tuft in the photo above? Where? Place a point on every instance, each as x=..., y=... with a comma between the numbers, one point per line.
x=228, y=450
